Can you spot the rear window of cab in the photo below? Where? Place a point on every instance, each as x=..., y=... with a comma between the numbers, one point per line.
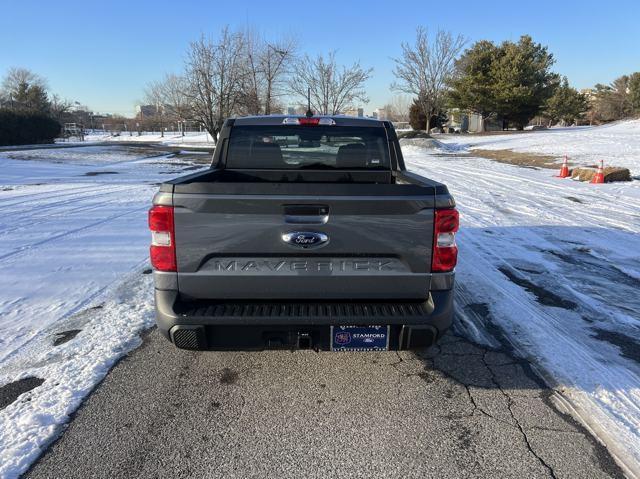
x=307, y=147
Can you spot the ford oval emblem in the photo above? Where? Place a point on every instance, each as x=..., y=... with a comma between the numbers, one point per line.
x=305, y=239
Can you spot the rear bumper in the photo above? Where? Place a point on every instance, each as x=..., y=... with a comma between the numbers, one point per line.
x=259, y=324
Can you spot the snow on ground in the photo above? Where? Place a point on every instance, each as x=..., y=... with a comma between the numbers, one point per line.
x=551, y=267
x=72, y=225
x=81, y=156
x=190, y=139
x=618, y=144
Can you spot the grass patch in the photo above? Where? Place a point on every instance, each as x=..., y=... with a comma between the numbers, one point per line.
x=519, y=159
x=534, y=160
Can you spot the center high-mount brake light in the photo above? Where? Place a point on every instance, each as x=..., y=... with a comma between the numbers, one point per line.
x=163, y=238
x=309, y=121
x=445, y=251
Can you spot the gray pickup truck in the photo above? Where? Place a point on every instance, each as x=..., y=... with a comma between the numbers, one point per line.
x=306, y=232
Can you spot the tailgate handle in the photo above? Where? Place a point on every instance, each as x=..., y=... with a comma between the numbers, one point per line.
x=306, y=214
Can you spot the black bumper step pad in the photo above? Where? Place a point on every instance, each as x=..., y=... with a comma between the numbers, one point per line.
x=301, y=310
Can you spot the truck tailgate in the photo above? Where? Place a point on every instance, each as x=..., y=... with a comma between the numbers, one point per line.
x=378, y=243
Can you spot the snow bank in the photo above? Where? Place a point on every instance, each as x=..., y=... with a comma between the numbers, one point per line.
x=427, y=143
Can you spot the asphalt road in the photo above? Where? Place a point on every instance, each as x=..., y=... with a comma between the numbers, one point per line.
x=455, y=411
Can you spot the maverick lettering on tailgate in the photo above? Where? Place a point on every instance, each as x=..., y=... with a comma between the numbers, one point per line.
x=297, y=265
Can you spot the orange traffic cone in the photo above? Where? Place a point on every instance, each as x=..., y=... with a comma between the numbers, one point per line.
x=564, y=171
x=599, y=176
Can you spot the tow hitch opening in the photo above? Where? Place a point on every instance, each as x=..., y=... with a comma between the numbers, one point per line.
x=304, y=341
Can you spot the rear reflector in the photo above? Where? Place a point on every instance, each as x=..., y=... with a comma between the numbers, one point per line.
x=445, y=251
x=163, y=242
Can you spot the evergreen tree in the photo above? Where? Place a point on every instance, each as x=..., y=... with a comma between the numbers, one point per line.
x=634, y=92
x=523, y=80
x=512, y=81
x=566, y=104
x=472, y=86
x=29, y=97
x=37, y=99
x=20, y=96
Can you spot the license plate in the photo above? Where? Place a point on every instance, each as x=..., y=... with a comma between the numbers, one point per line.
x=359, y=338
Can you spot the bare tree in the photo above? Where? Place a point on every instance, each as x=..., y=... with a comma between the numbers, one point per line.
x=253, y=79
x=170, y=99
x=425, y=67
x=332, y=89
x=154, y=95
x=275, y=62
x=215, y=73
x=401, y=105
x=398, y=108
x=60, y=108
x=16, y=77
x=175, y=99
x=17, y=84
x=268, y=64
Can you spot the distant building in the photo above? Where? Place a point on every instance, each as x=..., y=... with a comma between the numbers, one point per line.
x=291, y=110
x=359, y=112
x=381, y=114
x=459, y=120
x=143, y=111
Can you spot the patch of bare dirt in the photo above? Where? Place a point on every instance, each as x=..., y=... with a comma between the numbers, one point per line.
x=519, y=159
x=503, y=132
x=534, y=160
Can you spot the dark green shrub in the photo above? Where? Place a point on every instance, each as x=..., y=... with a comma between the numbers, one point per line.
x=25, y=128
x=417, y=118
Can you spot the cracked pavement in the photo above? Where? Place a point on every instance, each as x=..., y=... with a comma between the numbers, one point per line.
x=456, y=410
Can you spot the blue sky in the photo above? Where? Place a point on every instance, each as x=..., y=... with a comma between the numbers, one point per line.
x=104, y=53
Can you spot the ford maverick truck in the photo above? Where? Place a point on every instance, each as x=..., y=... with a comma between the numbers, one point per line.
x=305, y=232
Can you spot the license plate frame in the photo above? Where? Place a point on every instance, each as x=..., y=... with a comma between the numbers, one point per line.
x=356, y=338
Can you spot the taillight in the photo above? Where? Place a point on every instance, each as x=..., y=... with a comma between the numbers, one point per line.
x=163, y=240
x=445, y=251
